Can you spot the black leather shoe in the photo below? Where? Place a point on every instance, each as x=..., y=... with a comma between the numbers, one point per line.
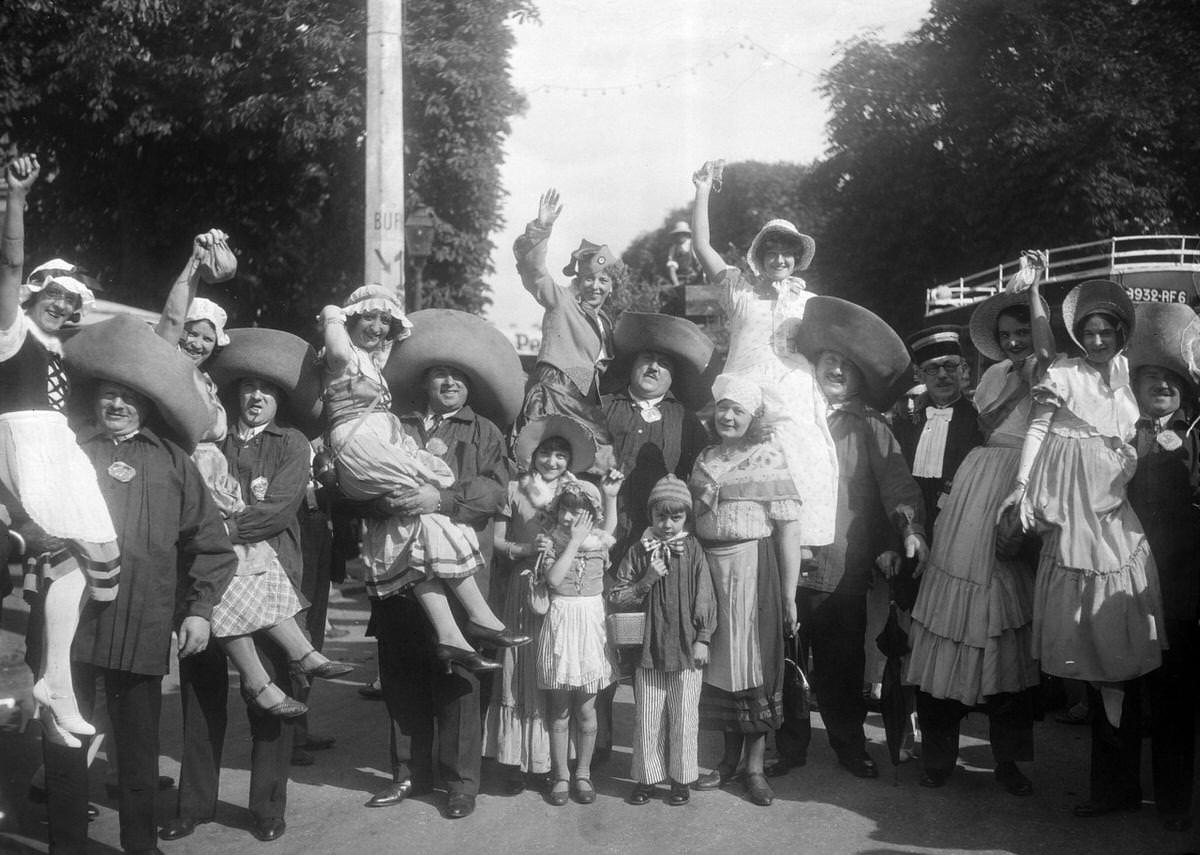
x=93, y=812
x=642, y=793
x=371, y=692
x=679, y=794
x=396, y=793
x=459, y=805
x=496, y=637
x=1013, y=779
x=718, y=777
x=759, y=790
x=300, y=757
x=932, y=780
x=1090, y=809
x=469, y=659
x=179, y=828
x=780, y=767
x=860, y=767
x=267, y=830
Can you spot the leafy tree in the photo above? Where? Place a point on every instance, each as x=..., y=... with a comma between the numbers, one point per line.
x=1001, y=125
x=162, y=117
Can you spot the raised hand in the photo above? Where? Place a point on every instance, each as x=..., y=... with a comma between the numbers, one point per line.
x=581, y=527
x=548, y=208
x=22, y=171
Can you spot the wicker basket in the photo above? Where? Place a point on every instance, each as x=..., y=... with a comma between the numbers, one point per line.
x=626, y=629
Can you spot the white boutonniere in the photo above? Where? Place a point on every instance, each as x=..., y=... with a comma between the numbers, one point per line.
x=258, y=488
x=436, y=446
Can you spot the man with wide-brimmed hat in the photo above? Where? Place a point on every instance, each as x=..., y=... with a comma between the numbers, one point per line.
x=265, y=373
x=1164, y=361
x=660, y=362
x=943, y=425
x=455, y=378
x=862, y=367
x=176, y=562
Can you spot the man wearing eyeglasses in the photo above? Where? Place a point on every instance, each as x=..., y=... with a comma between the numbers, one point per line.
x=943, y=426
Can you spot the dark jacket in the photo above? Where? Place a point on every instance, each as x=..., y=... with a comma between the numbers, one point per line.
x=964, y=434
x=176, y=559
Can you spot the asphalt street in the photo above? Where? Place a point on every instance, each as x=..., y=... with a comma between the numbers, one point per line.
x=819, y=808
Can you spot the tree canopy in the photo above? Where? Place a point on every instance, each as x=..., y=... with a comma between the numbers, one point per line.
x=159, y=118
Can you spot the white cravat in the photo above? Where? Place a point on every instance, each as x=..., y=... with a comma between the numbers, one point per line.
x=931, y=447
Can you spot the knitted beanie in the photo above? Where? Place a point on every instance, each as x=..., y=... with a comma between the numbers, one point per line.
x=669, y=487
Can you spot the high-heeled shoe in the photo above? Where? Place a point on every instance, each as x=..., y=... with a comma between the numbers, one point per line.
x=497, y=637
x=287, y=708
x=63, y=708
x=54, y=732
x=469, y=659
x=326, y=670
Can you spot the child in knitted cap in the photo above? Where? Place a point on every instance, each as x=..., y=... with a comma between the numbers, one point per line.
x=666, y=575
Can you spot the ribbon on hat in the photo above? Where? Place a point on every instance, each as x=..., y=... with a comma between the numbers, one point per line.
x=931, y=447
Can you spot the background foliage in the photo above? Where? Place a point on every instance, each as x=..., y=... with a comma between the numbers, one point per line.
x=157, y=119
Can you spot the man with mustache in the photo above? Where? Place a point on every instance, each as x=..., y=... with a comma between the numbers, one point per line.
x=176, y=563
x=654, y=430
x=943, y=426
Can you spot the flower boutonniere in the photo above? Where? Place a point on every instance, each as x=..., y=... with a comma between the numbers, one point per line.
x=437, y=447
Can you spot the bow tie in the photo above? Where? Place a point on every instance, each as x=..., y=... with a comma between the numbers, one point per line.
x=651, y=544
x=939, y=414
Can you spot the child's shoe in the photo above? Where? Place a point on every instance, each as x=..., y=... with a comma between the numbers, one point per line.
x=641, y=794
x=679, y=794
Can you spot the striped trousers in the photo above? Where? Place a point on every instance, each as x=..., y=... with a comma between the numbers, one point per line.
x=668, y=725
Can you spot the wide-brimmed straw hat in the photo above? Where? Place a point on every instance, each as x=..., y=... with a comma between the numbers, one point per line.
x=1168, y=335
x=862, y=337
x=470, y=344
x=985, y=317
x=281, y=358
x=377, y=298
x=678, y=338
x=573, y=431
x=203, y=309
x=783, y=231
x=681, y=228
x=70, y=277
x=126, y=350
x=1097, y=295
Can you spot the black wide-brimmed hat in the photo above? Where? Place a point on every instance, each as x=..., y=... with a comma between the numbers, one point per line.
x=986, y=316
x=126, y=350
x=572, y=431
x=678, y=338
x=281, y=358
x=1167, y=335
x=865, y=339
x=470, y=344
x=1097, y=295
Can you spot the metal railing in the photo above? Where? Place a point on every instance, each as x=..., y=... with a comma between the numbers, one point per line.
x=1098, y=259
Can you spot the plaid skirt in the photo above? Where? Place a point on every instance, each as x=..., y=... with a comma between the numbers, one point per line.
x=256, y=602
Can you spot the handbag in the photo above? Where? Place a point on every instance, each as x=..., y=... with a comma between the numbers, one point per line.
x=797, y=693
x=626, y=629
x=218, y=263
x=538, y=592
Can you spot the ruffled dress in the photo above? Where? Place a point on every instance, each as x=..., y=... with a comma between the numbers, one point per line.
x=374, y=456
x=42, y=464
x=1098, y=612
x=740, y=491
x=573, y=650
x=972, y=623
x=763, y=321
x=516, y=731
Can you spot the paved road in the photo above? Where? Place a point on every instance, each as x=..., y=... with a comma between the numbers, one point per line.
x=819, y=809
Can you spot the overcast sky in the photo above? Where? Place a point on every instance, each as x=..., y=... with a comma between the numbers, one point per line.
x=622, y=160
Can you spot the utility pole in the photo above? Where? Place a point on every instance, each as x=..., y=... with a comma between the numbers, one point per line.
x=384, y=209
